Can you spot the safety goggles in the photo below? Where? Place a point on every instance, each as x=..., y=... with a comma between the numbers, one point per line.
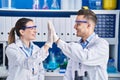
x=81, y=21
x=28, y=27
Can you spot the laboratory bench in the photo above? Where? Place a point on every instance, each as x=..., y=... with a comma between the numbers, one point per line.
x=55, y=75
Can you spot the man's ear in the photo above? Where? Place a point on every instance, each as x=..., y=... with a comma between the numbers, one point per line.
x=89, y=25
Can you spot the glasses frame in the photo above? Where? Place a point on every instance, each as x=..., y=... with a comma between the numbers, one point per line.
x=81, y=21
x=27, y=27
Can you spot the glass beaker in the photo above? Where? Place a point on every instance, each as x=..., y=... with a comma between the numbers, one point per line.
x=6, y=4
x=35, y=4
x=55, y=5
x=111, y=67
x=45, y=6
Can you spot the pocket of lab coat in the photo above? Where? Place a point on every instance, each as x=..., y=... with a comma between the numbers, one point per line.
x=21, y=74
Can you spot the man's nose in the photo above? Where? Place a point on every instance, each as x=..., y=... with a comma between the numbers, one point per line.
x=75, y=26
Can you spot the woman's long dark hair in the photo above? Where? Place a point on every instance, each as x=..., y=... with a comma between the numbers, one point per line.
x=19, y=24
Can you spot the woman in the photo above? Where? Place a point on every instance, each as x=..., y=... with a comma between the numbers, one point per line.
x=24, y=57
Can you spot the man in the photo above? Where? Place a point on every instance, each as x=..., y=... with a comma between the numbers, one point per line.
x=90, y=54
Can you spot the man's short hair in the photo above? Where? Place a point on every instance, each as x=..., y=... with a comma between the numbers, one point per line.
x=88, y=14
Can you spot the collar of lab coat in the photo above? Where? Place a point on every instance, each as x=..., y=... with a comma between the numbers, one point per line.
x=20, y=44
x=92, y=40
x=84, y=44
x=89, y=38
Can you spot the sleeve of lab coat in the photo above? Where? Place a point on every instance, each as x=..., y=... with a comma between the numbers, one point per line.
x=37, y=58
x=95, y=54
x=16, y=58
x=68, y=73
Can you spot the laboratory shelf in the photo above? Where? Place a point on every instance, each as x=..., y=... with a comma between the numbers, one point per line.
x=54, y=74
x=42, y=13
x=114, y=74
x=37, y=13
x=62, y=74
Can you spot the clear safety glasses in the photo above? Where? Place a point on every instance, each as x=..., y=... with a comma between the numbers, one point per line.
x=28, y=27
x=81, y=21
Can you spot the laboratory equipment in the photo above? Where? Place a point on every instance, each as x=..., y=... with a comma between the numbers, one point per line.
x=52, y=64
x=63, y=65
x=84, y=77
x=65, y=4
x=1, y=54
x=55, y=5
x=109, y=4
x=3, y=59
x=111, y=66
x=35, y=4
x=77, y=77
x=95, y=4
x=45, y=6
x=6, y=4
x=78, y=4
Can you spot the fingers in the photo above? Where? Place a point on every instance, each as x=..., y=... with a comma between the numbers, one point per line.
x=51, y=26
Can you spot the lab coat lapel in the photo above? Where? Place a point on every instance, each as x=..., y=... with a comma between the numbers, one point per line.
x=92, y=40
x=19, y=44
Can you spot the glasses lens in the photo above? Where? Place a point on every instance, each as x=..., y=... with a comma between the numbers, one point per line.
x=81, y=21
x=28, y=27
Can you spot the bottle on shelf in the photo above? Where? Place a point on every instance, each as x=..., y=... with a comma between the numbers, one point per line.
x=7, y=4
x=52, y=64
x=35, y=4
x=95, y=4
x=63, y=66
x=109, y=4
x=65, y=4
x=55, y=5
x=111, y=67
x=45, y=6
x=78, y=4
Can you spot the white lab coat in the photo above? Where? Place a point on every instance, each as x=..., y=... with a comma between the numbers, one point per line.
x=93, y=58
x=20, y=66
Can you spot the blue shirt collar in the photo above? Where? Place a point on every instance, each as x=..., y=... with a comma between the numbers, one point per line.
x=28, y=50
x=31, y=46
x=84, y=44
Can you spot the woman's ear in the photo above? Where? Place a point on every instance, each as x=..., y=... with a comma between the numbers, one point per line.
x=21, y=32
